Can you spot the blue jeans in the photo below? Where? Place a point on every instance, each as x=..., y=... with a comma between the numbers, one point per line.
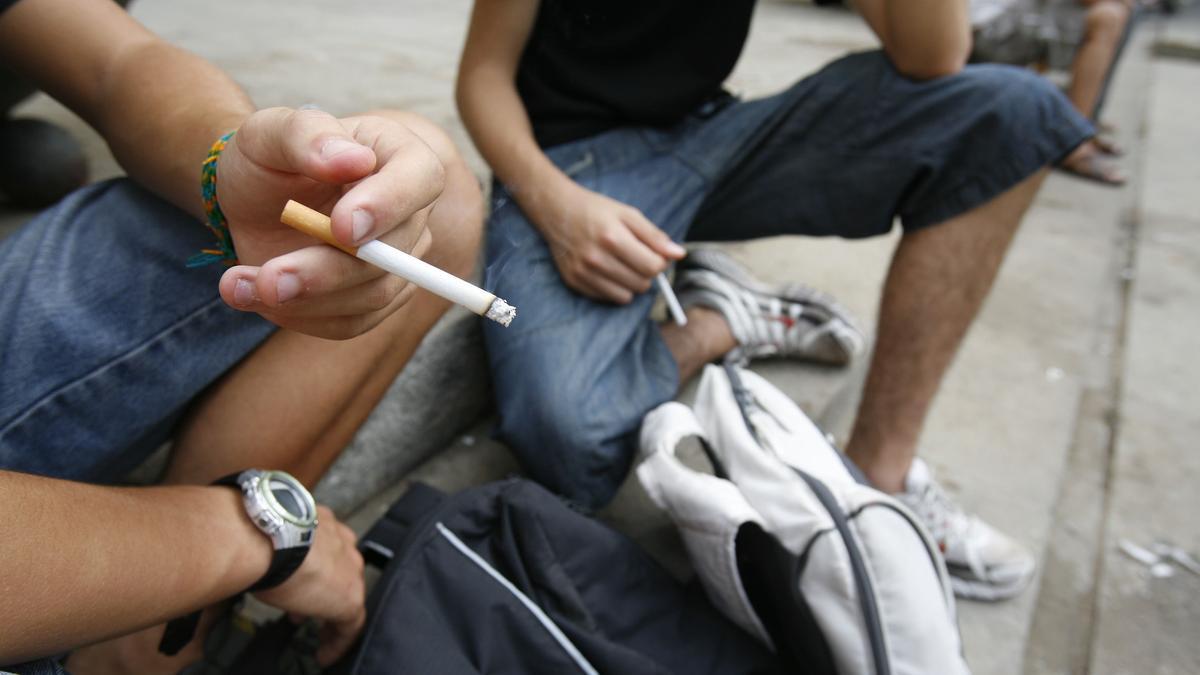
x=840, y=153
x=105, y=334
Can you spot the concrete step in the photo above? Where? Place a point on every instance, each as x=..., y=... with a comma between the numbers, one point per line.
x=443, y=390
x=475, y=458
x=1146, y=623
x=1061, y=628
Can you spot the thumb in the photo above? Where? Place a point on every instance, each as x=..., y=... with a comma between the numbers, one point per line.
x=309, y=142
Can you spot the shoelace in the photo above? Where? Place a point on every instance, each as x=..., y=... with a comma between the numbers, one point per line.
x=766, y=324
x=788, y=323
x=942, y=515
x=772, y=324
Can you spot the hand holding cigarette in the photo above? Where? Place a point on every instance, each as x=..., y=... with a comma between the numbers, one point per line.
x=604, y=249
x=393, y=260
x=375, y=176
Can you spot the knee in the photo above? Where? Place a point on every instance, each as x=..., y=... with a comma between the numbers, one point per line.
x=1018, y=114
x=1017, y=99
x=995, y=81
x=433, y=135
x=562, y=445
x=456, y=219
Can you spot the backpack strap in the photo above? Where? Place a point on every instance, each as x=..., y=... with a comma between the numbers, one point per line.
x=379, y=544
x=746, y=403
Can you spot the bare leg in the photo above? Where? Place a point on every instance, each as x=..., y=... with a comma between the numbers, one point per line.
x=297, y=401
x=938, y=279
x=705, y=337
x=1104, y=25
x=937, y=282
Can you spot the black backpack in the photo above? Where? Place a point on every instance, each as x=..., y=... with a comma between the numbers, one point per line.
x=505, y=578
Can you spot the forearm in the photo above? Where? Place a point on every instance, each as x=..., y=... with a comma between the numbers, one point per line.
x=495, y=115
x=82, y=563
x=496, y=118
x=159, y=107
x=160, y=111
x=923, y=38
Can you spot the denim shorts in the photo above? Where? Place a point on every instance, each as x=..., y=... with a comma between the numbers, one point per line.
x=105, y=334
x=840, y=153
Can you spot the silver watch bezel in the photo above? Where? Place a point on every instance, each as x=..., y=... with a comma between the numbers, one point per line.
x=268, y=515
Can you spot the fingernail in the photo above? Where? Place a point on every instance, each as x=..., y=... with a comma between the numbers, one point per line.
x=243, y=293
x=677, y=249
x=287, y=286
x=361, y=222
x=336, y=146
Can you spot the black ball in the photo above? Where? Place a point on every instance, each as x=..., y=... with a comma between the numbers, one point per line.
x=39, y=163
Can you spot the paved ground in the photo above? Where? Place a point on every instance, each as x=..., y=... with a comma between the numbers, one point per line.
x=1068, y=419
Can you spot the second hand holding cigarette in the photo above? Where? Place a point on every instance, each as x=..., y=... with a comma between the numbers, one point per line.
x=413, y=269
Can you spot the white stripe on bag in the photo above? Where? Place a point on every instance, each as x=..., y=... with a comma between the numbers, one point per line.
x=546, y=622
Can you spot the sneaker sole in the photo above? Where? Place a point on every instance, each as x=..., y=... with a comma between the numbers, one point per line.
x=970, y=589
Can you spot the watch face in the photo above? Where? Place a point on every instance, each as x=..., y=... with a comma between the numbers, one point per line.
x=288, y=498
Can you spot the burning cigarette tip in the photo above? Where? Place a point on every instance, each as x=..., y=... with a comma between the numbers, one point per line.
x=501, y=312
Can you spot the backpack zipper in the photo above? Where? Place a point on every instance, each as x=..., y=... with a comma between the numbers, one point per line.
x=866, y=592
x=938, y=570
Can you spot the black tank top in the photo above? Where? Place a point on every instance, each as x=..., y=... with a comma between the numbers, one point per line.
x=592, y=65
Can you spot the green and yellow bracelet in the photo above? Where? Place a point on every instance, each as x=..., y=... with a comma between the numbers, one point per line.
x=214, y=218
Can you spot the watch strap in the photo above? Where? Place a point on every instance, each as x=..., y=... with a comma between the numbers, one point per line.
x=178, y=633
x=284, y=562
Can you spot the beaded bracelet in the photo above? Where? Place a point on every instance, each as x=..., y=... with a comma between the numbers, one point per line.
x=214, y=218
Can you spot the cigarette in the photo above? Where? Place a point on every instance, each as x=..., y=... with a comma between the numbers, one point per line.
x=390, y=259
x=668, y=294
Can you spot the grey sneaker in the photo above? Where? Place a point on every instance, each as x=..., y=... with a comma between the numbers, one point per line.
x=792, y=320
x=984, y=564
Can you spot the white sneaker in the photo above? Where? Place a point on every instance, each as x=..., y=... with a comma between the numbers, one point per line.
x=984, y=564
x=792, y=320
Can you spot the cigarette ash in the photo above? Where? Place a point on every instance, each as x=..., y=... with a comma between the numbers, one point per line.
x=501, y=312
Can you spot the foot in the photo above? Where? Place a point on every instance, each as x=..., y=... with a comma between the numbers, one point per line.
x=1088, y=162
x=984, y=564
x=1108, y=146
x=792, y=320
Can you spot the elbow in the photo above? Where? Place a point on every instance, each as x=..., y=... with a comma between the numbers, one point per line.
x=466, y=84
x=468, y=89
x=460, y=92
x=934, y=64
x=930, y=71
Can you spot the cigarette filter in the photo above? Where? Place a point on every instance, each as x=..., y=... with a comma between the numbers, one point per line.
x=393, y=260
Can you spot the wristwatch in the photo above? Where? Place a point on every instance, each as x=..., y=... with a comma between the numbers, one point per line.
x=282, y=509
